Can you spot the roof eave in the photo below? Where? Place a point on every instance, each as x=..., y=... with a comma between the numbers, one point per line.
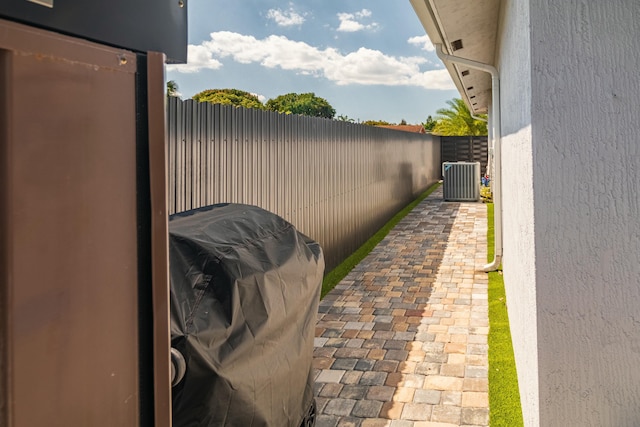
x=475, y=95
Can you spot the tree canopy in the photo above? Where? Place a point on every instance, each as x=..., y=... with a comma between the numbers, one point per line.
x=172, y=88
x=307, y=104
x=429, y=124
x=345, y=118
x=235, y=97
x=377, y=123
x=457, y=120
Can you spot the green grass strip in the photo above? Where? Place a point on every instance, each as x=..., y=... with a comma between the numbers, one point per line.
x=338, y=273
x=504, y=397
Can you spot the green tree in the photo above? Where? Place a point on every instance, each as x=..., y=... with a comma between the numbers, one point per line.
x=429, y=124
x=457, y=120
x=172, y=88
x=307, y=104
x=377, y=123
x=235, y=97
x=345, y=118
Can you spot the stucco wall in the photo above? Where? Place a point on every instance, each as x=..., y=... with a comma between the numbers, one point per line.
x=586, y=168
x=518, y=204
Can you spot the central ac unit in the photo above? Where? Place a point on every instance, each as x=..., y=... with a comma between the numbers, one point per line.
x=461, y=181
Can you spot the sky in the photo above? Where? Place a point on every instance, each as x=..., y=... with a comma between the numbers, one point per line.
x=371, y=60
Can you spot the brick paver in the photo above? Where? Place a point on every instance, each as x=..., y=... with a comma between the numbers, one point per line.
x=402, y=340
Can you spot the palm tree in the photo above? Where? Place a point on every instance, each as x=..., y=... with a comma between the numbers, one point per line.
x=456, y=120
x=172, y=88
x=345, y=118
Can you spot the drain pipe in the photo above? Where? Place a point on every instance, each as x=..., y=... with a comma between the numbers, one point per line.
x=482, y=119
x=495, y=123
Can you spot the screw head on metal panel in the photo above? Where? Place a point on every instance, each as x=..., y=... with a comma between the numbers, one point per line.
x=181, y=3
x=122, y=59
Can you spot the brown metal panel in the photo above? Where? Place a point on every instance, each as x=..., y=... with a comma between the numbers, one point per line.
x=159, y=238
x=138, y=25
x=69, y=245
x=5, y=83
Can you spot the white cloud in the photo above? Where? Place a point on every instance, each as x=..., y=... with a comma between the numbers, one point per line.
x=262, y=98
x=350, y=22
x=364, y=66
x=433, y=79
x=422, y=42
x=286, y=18
x=198, y=57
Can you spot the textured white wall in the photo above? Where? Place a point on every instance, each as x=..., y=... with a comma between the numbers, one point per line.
x=518, y=205
x=585, y=92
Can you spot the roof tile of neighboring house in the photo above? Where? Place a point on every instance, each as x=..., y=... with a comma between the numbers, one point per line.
x=406, y=128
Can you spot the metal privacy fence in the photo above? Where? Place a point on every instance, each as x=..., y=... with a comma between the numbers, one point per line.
x=337, y=182
x=465, y=149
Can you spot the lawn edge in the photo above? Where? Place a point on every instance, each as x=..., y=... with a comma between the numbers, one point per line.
x=504, y=396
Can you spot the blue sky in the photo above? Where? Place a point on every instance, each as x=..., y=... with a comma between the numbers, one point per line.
x=371, y=60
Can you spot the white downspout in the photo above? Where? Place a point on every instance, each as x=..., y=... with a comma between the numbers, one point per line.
x=489, y=162
x=495, y=123
x=482, y=119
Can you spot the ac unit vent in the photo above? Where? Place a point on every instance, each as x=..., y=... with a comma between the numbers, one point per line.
x=461, y=181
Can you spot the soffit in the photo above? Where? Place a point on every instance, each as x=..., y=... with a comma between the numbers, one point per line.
x=475, y=24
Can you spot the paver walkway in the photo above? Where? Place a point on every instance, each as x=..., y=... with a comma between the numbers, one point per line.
x=402, y=340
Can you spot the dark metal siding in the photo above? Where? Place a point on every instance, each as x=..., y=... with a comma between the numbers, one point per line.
x=337, y=182
x=139, y=25
x=465, y=149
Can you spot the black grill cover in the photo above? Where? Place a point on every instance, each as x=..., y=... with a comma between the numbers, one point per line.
x=245, y=287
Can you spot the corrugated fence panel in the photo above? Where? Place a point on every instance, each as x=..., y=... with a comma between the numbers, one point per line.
x=337, y=182
x=465, y=149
